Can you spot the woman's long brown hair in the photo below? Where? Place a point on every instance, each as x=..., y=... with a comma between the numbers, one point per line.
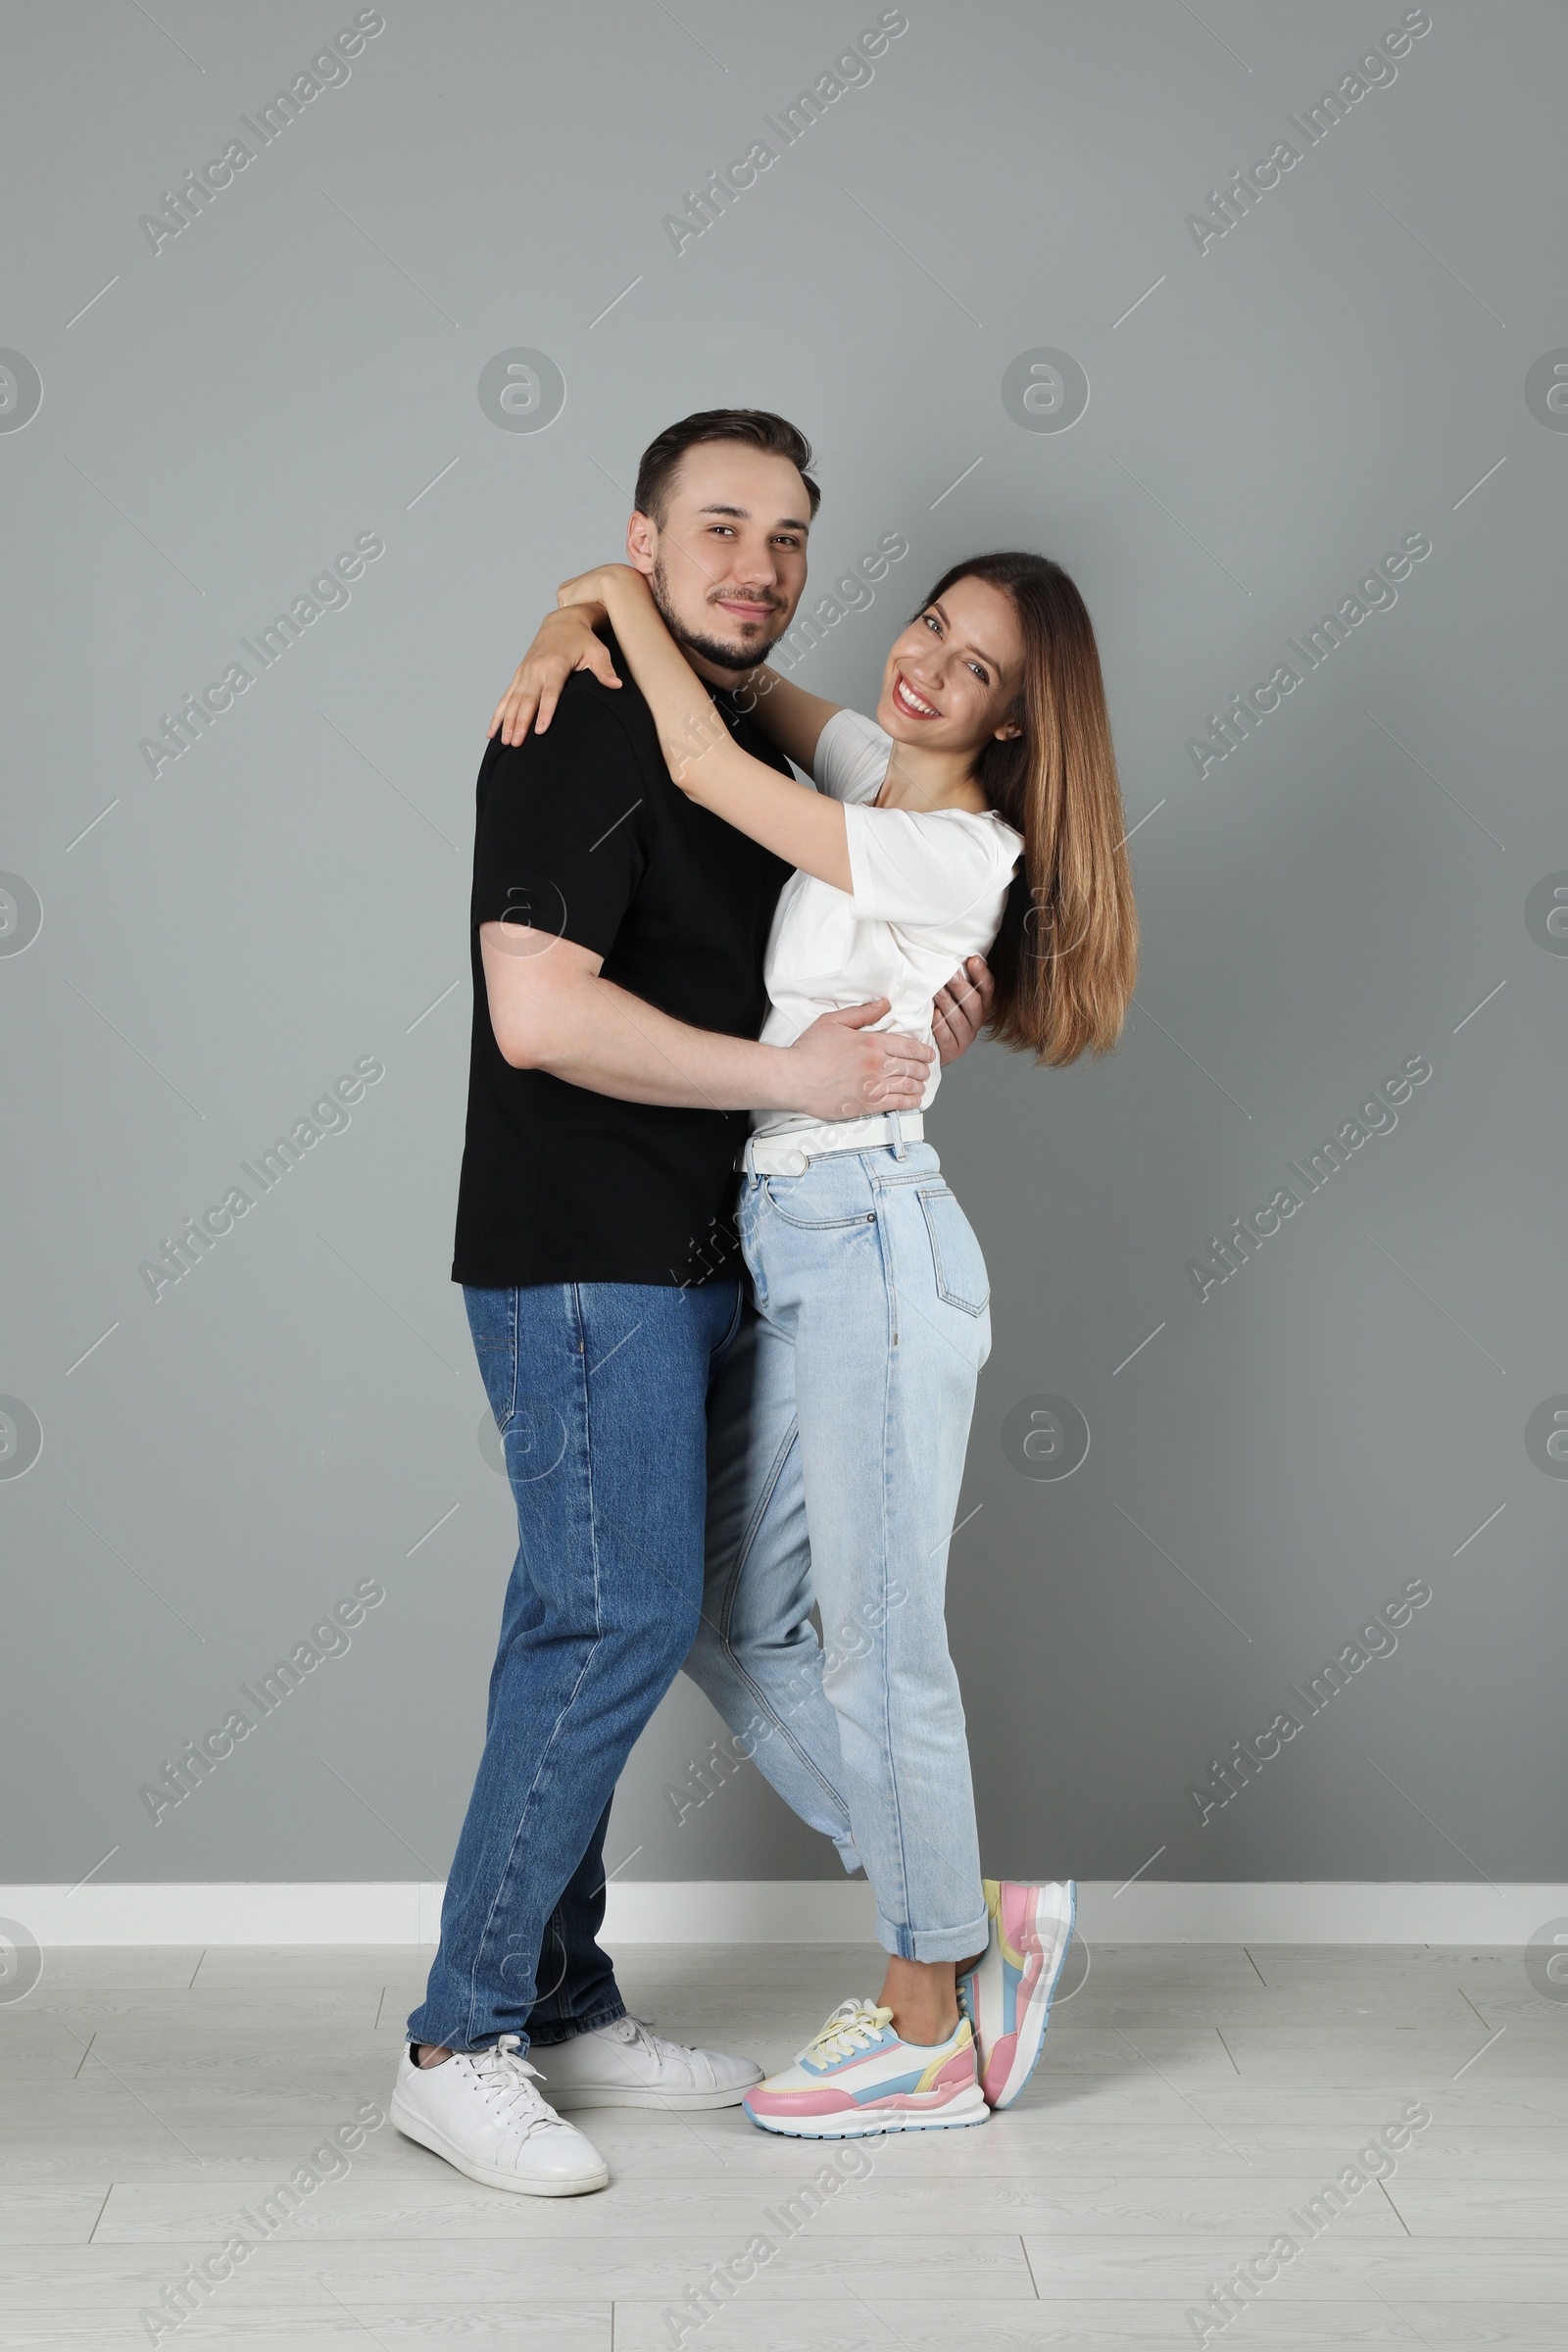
x=1066, y=956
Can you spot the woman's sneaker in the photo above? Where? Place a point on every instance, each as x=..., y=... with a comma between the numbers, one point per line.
x=479, y=2109
x=1008, y=1993
x=857, y=2077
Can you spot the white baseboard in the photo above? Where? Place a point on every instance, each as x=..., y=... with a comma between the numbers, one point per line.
x=788, y=1911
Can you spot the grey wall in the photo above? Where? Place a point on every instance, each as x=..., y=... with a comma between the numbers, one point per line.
x=1351, y=886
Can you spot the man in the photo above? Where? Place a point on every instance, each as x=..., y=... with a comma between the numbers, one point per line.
x=617, y=934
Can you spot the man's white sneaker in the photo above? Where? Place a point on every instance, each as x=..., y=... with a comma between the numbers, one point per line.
x=624, y=2065
x=479, y=2109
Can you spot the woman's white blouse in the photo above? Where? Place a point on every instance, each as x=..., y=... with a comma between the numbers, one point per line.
x=927, y=890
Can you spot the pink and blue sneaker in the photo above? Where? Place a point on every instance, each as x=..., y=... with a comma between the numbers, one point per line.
x=1008, y=1994
x=858, y=2077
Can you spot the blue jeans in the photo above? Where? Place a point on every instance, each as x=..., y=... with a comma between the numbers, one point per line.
x=600, y=1392
x=837, y=1437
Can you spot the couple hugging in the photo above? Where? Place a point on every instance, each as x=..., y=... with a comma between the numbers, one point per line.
x=695, y=978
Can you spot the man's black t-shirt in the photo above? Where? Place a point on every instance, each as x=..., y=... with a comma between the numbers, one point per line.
x=581, y=834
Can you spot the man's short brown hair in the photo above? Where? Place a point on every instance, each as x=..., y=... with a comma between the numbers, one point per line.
x=758, y=428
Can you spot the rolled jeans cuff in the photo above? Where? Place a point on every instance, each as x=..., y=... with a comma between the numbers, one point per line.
x=934, y=1943
x=547, y=2038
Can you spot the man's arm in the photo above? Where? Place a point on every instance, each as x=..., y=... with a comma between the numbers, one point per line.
x=552, y=1009
x=522, y=798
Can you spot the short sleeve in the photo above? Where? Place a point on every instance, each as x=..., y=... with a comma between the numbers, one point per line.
x=908, y=867
x=557, y=845
x=851, y=757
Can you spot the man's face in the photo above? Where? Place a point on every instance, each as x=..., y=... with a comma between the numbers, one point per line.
x=727, y=565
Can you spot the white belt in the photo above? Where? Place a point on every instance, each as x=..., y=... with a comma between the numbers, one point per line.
x=791, y=1152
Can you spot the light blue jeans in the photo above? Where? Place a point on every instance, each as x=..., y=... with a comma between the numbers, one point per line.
x=837, y=1433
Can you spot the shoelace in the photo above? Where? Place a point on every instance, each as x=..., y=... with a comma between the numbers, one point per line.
x=661, y=2051
x=507, y=2081
x=853, y=2026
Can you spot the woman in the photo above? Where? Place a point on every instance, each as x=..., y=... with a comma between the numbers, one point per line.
x=980, y=807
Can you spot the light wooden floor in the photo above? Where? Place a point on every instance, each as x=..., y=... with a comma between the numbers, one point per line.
x=1188, y=2098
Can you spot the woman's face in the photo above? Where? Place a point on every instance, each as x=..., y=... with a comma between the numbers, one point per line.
x=953, y=674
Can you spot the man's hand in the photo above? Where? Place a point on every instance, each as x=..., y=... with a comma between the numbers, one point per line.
x=565, y=642
x=841, y=1068
x=961, y=1010
x=552, y=1008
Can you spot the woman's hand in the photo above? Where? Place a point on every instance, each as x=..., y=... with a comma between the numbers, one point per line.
x=565, y=642
x=961, y=1010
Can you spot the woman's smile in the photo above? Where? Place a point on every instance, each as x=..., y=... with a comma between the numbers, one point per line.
x=912, y=705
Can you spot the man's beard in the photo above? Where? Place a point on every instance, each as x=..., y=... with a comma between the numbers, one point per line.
x=711, y=648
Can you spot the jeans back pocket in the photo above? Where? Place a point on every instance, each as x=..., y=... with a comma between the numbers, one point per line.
x=959, y=1260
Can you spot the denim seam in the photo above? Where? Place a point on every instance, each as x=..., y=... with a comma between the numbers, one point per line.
x=949, y=1296
x=504, y=1421
x=816, y=1224
x=908, y=1938
x=517, y=1836
x=890, y=1287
